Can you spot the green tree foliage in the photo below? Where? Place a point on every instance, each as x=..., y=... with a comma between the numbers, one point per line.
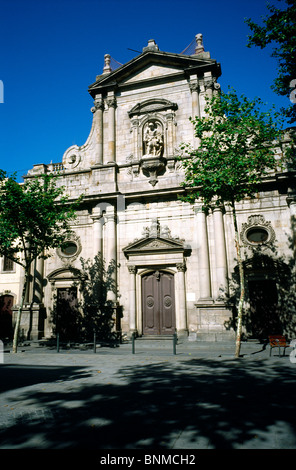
x=236, y=152
x=34, y=217
x=78, y=320
x=96, y=280
x=279, y=29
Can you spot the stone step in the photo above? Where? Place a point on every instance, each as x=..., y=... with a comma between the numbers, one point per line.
x=155, y=338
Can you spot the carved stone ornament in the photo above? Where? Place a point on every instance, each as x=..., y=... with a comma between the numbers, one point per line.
x=159, y=231
x=257, y=232
x=71, y=159
x=71, y=248
x=132, y=269
x=181, y=267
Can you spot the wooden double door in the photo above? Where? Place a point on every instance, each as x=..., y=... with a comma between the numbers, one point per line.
x=158, y=303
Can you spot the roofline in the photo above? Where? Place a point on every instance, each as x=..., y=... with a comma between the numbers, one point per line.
x=109, y=79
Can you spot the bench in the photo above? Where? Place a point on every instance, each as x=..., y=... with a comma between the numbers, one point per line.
x=278, y=341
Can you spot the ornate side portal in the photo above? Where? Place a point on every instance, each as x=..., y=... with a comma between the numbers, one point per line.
x=158, y=303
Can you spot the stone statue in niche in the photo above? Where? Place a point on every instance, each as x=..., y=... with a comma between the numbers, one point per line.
x=153, y=139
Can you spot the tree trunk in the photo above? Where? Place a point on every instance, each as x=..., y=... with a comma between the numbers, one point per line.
x=19, y=315
x=242, y=287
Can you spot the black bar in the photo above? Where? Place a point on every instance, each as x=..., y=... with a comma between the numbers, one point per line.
x=174, y=343
x=133, y=343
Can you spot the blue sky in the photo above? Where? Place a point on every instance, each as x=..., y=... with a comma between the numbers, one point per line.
x=52, y=50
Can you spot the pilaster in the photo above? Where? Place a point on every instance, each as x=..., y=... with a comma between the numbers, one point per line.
x=98, y=110
x=97, y=218
x=204, y=273
x=181, y=317
x=132, y=299
x=111, y=102
x=111, y=251
x=220, y=251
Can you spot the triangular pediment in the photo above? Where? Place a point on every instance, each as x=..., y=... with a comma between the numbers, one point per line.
x=150, y=72
x=154, y=244
x=151, y=65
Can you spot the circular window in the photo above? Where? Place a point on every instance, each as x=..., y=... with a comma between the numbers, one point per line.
x=69, y=248
x=257, y=235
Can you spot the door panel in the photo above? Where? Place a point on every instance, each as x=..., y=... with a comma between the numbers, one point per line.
x=158, y=303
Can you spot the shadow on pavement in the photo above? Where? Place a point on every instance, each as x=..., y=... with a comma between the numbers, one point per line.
x=210, y=403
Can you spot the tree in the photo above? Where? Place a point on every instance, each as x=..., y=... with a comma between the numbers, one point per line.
x=236, y=152
x=279, y=29
x=93, y=313
x=96, y=280
x=34, y=217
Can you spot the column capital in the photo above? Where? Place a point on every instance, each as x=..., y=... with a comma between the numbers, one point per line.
x=132, y=269
x=110, y=214
x=194, y=86
x=218, y=208
x=111, y=102
x=208, y=83
x=200, y=209
x=96, y=217
x=96, y=214
x=181, y=267
x=135, y=122
x=99, y=104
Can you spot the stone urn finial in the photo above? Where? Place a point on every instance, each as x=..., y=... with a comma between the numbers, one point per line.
x=199, y=44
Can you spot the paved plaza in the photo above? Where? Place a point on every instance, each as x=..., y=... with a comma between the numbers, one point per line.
x=199, y=398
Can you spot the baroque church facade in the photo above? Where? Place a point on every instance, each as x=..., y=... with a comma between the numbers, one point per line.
x=174, y=263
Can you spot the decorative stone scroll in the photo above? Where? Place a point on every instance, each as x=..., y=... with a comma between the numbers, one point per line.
x=257, y=232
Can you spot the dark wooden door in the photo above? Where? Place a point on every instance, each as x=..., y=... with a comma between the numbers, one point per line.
x=264, y=318
x=158, y=303
x=6, y=304
x=67, y=314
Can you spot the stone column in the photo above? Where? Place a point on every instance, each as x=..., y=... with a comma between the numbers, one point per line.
x=194, y=88
x=97, y=230
x=38, y=281
x=132, y=299
x=98, y=110
x=203, y=254
x=111, y=251
x=181, y=317
x=220, y=249
x=111, y=102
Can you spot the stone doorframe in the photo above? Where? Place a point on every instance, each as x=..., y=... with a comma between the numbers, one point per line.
x=153, y=253
x=136, y=314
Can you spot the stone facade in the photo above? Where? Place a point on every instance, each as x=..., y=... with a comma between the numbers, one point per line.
x=174, y=262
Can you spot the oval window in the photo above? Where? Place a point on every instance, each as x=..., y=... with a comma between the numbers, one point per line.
x=257, y=235
x=69, y=248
